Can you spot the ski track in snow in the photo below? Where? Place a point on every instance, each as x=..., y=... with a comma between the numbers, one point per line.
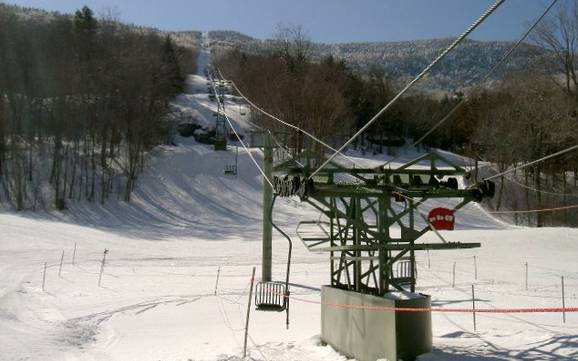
x=186, y=219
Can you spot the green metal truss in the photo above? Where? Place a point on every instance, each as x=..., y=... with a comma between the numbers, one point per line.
x=371, y=232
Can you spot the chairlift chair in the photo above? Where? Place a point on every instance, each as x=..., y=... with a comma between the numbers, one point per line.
x=273, y=296
x=403, y=271
x=230, y=169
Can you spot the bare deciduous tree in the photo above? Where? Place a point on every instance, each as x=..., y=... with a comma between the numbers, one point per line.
x=559, y=33
x=81, y=101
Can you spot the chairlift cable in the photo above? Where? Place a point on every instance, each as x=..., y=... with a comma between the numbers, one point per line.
x=539, y=190
x=248, y=151
x=240, y=140
x=481, y=81
x=424, y=72
x=525, y=165
x=542, y=210
x=293, y=126
x=257, y=126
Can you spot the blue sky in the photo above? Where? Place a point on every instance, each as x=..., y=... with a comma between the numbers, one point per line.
x=323, y=20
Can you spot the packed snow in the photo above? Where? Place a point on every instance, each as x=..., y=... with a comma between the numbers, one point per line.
x=159, y=298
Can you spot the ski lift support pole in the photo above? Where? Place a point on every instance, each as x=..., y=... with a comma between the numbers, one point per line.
x=267, y=199
x=289, y=253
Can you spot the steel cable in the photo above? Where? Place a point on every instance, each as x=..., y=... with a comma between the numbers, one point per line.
x=483, y=79
x=525, y=165
x=292, y=126
x=424, y=72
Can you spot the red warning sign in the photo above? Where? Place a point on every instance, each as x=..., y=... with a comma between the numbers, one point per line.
x=442, y=219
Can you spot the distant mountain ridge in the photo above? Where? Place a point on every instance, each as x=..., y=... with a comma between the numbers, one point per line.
x=404, y=59
x=461, y=69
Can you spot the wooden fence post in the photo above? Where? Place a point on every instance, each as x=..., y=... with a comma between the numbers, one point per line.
x=102, y=267
x=563, y=302
x=74, y=254
x=474, y=306
x=60, y=267
x=454, y=276
x=44, y=276
x=248, y=313
x=526, y=282
x=217, y=282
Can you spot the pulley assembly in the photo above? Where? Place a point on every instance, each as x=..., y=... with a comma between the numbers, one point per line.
x=294, y=186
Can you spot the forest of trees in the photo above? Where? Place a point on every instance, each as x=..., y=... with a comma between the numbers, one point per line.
x=82, y=99
x=523, y=117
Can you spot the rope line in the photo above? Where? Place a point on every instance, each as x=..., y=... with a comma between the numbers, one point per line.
x=424, y=72
x=439, y=309
x=481, y=81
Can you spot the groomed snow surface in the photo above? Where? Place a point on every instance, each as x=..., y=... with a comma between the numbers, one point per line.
x=187, y=219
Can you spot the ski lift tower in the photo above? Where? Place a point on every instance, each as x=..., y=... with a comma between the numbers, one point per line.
x=218, y=88
x=220, y=121
x=271, y=152
x=375, y=218
x=220, y=132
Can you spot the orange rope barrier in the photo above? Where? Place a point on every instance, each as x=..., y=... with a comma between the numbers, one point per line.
x=439, y=309
x=537, y=210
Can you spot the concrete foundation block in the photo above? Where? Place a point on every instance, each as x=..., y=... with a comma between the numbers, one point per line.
x=370, y=335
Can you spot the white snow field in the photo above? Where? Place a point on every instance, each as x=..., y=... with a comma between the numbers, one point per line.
x=187, y=219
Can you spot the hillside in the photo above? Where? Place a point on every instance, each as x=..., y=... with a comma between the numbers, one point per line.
x=402, y=59
x=80, y=74
x=405, y=59
x=188, y=221
x=168, y=273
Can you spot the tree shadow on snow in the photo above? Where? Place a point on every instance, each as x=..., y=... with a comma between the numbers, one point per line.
x=563, y=347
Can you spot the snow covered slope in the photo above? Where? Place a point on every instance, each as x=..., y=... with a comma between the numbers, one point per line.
x=187, y=220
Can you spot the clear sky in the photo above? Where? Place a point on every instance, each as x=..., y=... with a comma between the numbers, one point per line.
x=324, y=20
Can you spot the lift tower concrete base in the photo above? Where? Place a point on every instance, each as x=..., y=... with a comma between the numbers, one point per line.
x=365, y=333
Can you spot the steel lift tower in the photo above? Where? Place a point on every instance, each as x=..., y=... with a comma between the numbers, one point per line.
x=371, y=229
x=217, y=89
